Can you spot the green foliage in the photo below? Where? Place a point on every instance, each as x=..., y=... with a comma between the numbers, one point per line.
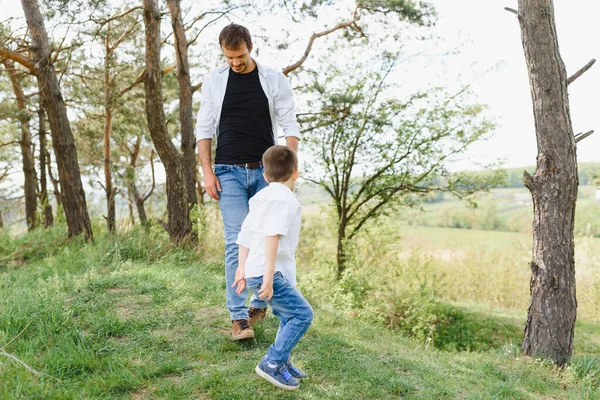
x=70, y=8
x=506, y=210
x=131, y=317
x=416, y=12
x=588, y=174
x=374, y=153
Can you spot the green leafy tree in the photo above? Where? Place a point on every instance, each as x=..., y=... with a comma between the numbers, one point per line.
x=373, y=153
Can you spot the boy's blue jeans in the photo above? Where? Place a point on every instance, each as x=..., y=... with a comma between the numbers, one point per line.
x=238, y=185
x=294, y=313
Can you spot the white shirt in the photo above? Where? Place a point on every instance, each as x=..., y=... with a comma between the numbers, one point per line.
x=276, y=87
x=274, y=210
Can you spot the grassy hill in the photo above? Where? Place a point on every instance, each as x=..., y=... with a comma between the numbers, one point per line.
x=131, y=317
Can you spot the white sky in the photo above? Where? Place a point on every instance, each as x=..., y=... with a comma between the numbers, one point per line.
x=491, y=58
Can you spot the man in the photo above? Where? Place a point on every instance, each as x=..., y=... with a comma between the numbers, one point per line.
x=242, y=102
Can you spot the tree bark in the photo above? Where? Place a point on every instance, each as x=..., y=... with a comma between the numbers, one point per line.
x=179, y=225
x=74, y=204
x=341, y=249
x=139, y=204
x=108, y=124
x=55, y=182
x=134, y=192
x=188, y=142
x=553, y=307
x=46, y=207
x=28, y=159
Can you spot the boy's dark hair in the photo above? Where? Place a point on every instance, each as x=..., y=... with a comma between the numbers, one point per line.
x=279, y=162
x=232, y=36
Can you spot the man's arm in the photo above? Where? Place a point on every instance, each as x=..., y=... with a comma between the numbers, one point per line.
x=211, y=182
x=286, y=112
x=271, y=244
x=292, y=141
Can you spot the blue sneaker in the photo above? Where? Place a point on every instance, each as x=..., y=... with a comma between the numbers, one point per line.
x=277, y=375
x=296, y=373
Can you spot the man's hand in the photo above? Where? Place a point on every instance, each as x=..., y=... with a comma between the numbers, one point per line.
x=240, y=281
x=212, y=185
x=266, y=290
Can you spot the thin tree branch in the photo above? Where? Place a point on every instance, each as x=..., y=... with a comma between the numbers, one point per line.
x=16, y=337
x=153, y=180
x=193, y=40
x=140, y=79
x=27, y=367
x=581, y=71
x=196, y=87
x=512, y=10
x=6, y=354
x=27, y=63
x=581, y=136
x=314, y=36
x=10, y=143
x=106, y=21
x=373, y=211
x=124, y=36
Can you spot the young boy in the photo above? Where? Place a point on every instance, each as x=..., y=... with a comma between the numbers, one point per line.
x=267, y=265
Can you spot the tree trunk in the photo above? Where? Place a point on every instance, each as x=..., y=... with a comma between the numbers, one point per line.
x=46, y=207
x=553, y=308
x=28, y=159
x=74, y=204
x=108, y=93
x=179, y=225
x=188, y=142
x=55, y=182
x=130, y=207
x=341, y=247
x=139, y=204
x=133, y=191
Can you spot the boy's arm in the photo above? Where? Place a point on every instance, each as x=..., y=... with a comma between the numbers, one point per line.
x=240, y=273
x=271, y=244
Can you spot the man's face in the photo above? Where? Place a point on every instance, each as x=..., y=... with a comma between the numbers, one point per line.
x=239, y=58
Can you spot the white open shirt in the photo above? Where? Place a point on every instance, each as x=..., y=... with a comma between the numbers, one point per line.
x=274, y=210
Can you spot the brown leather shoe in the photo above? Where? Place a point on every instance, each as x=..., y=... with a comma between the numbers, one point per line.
x=256, y=315
x=241, y=329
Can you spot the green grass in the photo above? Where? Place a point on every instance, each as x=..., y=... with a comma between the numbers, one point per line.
x=130, y=317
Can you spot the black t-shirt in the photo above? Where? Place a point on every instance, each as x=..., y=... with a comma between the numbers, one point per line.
x=245, y=131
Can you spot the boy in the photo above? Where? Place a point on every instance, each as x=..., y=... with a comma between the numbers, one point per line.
x=267, y=265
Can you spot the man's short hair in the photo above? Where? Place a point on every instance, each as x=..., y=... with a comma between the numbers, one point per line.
x=279, y=163
x=232, y=36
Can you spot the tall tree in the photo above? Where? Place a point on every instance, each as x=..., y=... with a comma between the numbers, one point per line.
x=553, y=308
x=373, y=153
x=27, y=157
x=74, y=203
x=44, y=200
x=111, y=38
x=179, y=225
x=188, y=141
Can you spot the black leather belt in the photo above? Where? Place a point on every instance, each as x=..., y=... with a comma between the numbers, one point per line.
x=250, y=165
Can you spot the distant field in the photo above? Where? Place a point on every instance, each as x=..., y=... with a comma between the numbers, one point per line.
x=444, y=238
x=488, y=267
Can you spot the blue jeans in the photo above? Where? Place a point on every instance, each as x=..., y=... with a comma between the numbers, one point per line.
x=294, y=313
x=238, y=185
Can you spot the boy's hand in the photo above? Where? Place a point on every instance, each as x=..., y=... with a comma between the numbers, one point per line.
x=266, y=290
x=240, y=281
